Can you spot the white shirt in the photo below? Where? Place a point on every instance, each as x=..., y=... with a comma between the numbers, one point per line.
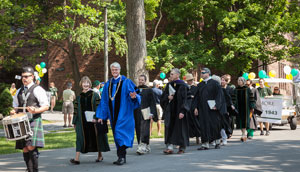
x=205, y=80
x=38, y=92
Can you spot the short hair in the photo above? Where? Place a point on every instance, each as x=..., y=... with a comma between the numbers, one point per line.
x=116, y=65
x=145, y=77
x=261, y=79
x=216, y=78
x=250, y=81
x=242, y=79
x=176, y=70
x=85, y=79
x=69, y=84
x=226, y=77
x=207, y=70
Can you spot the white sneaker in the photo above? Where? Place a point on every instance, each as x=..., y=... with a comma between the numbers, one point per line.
x=224, y=143
x=147, y=149
x=141, y=149
x=213, y=143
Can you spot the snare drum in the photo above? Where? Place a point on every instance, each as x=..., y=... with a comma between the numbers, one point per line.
x=17, y=127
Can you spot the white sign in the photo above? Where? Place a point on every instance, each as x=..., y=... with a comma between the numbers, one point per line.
x=272, y=110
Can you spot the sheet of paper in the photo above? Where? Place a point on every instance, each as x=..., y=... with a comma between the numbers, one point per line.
x=211, y=103
x=89, y=116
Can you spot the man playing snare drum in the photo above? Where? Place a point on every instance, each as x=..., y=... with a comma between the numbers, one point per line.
x=34, y=99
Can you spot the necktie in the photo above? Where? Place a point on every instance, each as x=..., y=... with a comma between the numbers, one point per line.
x=25, y=89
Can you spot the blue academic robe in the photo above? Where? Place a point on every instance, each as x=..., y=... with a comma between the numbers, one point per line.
x=120, y=110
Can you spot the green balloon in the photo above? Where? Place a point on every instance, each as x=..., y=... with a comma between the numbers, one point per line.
x=43, y=65
x=294, y=72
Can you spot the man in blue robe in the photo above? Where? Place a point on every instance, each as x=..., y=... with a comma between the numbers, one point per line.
x=118, y=101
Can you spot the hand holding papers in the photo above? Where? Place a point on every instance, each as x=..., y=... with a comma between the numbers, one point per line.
x=172, y=91
x=212, y=104
x=89, y=116
x=146, y=113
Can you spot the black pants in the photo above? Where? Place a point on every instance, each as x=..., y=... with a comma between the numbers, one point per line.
x=121, y=151
x=145, y=130
x=137, y=120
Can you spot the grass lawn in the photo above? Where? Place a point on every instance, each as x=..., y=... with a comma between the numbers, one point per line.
x=58, y=106
x=59, y=140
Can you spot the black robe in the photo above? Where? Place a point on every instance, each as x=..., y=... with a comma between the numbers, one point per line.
x=210, y=120
x=194, y=123
x=244, y=102
x=176, y=130
x=142, y=127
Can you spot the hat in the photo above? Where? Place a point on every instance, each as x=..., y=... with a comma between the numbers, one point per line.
x=189, y=77
x=28, y=69
x=96, y=83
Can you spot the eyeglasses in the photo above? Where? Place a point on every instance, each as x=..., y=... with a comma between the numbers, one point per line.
x=204, y=72
x=26, y=76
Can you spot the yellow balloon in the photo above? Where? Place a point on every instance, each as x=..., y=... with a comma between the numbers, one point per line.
x=257, y=84
x=201, y=79
x=41, y=74
x=272, y=73
x=289, y=76
x=267, y=85
x=38, y=67
x=251, y=75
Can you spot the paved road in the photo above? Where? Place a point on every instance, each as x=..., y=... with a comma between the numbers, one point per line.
x=278, y=152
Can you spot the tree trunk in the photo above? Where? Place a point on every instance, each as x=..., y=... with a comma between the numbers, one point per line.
x=75, y=68
x=136, y=34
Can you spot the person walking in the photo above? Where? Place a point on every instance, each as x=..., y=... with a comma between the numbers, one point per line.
x=68, y=107
x=207, y=104
x=34, y=98
x=245, y=104
x=90, y=136
x=263, y=92
x=157, y=95
x=175, y=108
x=143, y=115
x=119, y=100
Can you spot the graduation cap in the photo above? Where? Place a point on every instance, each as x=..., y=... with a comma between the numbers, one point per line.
x=28, y=69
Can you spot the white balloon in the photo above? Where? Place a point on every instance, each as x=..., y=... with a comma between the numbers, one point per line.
x=287, y=69
x=44, y=70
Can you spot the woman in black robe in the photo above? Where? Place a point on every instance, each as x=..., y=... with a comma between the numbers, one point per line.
x=245, y=104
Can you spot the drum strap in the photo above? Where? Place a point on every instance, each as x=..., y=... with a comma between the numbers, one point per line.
x=25, y=97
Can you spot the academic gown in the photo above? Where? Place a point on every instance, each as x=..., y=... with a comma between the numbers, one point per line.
x=120, y=110
x=142, y=126
x=176, y=130
x=90, y=137
x=194, y=123
x=210, y=120
x=245, y=102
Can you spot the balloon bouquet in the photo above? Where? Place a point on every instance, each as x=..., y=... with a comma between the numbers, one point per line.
x=40, y=71
x=290, y=73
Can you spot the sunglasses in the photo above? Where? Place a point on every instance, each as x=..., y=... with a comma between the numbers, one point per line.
x=204, y=72
x=26, y=76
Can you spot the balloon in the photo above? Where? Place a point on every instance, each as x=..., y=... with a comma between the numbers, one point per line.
x=294, y=72
x=267, y=85
x=201, y=79
x=38, y=67
x=184, y=77
x=262, y=74
x=289, y=76
x=257, y=84
x=162, y=75
x=41, y=74
x=44, y=70
x=245, y=75
x=272, y=73
x=43, y=64
x=287, y=69
x=166, y=81
x=251, y=75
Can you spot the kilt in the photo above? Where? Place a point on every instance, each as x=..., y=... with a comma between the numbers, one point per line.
x=37, y=139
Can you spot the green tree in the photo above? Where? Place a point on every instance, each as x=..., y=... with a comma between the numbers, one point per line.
x=227, y=35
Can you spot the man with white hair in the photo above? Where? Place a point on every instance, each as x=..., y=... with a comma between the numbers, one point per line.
x=119, y=99
x=175, y=106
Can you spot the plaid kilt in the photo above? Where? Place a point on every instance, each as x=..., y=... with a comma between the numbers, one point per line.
x=37, y=139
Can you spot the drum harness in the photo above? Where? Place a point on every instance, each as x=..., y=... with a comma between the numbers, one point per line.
x=30, y=116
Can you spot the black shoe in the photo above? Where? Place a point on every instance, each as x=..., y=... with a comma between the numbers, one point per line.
x=262, y=133
x=202, y=148
x=73, y=161
x=120, y=161
x=217, y=146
